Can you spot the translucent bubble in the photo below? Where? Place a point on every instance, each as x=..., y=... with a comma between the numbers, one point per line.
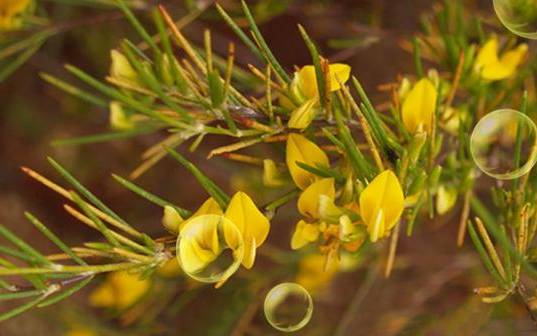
x=210, y=248
x=493, y=144
x=288, y=307
x=519, y=16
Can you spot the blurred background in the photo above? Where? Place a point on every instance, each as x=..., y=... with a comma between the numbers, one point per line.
x=429, y=293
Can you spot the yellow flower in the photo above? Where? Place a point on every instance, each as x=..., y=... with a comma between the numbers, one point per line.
x=10, y=12
x=202, y=245
x=252, y=224
x=304, y=234
x=307, y=80
x=120, y=290
x=492, y=67
x=419, y=106
x=381, y=204
x=300, y=149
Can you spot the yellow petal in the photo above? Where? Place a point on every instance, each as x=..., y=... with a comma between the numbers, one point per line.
x=419, y=106
x=199, y=243
x=307, y=79
x=129, y=288
x=232, y=235
x=513, y=58
x=308, y=202
x=304, y=234
x=249, y=253
x=193, y=257
x=351, y=232
x=300, y=149
x=272, y=177
x=315, y=271
x=377, y=229
x=252, y=224
x=381, y=204
x=10, y=13
x=171, y=219
x=169, y=269
x=446, y=198
x=120, y=290
x=103, y=296
x=339, y=73
x=121, y=67
x=488, y=54
x=491, y=67
x=304, y=115
x=328, y=211
x=119, y=119
x=209, y=207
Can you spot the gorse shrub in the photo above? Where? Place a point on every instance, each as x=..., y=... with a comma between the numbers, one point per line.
x=360, y=175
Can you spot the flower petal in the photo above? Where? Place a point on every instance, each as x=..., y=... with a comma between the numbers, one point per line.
x=304, y=234
x=446, y=198
x=381, y=204
x=300, y=149
x=253, y=225
x=308, y=202
x=249, y=253
x=193, y=257
x=419, y=106
x=171, y=219
x=303, y=115
x=307, y=81
x=209, y=207
x=272, y=177
x=339, y=73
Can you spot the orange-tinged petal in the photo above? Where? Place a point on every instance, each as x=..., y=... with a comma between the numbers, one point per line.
x=381, y=204
x=308, y=202
x=300, y=149
x=419, y=106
